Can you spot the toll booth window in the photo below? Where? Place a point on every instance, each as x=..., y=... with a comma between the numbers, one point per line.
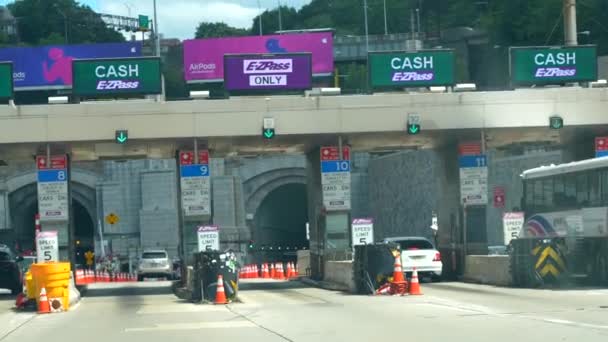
x=154, y=255
x=415, y=244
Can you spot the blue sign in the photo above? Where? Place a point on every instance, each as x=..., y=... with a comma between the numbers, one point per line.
x=335, y=166
x=48, y=176
x=200, y=170
x=599, y=154
x=50, y=67
x=473, y=161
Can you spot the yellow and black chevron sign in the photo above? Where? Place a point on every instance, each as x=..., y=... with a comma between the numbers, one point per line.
x=550, y=261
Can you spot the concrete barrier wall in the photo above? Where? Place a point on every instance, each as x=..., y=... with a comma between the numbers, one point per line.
x=340, y=273
x=488, y=269
x=304, y=262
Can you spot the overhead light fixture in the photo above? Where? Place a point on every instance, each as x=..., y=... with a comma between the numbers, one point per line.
x=58, y=99
x=599, y=84
x=199, y=94
x=465, y=87
x=324, y=92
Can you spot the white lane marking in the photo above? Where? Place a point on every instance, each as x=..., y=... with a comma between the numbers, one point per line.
x=446, y=303
x=195, y=326
x=440, y=306
x=181, y=308
x=572, y=323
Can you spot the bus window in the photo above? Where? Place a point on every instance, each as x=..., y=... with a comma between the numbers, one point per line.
x=529, y=195
x=582, y=190
x=559, y=192
x=604, y=186
x=538, y=193
x=595, y=198
x=570, y=190
x=548, y=193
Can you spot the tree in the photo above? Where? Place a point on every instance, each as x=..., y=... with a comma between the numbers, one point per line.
x=42, y=22
x=217, y=30
x=173, y=69
x=270, y=21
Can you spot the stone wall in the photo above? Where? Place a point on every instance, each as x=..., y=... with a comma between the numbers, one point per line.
x=405, y=188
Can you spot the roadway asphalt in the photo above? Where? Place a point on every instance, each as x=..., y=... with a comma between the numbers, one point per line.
x=291, y=311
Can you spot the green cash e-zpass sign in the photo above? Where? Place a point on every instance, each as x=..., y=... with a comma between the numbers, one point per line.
x=6, y=80
x=411, y=69
x=553, y=65
x=116, y=76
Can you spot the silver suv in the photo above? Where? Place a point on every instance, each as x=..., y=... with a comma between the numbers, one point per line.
x=154, y=263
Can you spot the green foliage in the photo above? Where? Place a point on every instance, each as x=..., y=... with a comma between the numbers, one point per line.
x=44, y=22
x=216, y=30
x=173, y=69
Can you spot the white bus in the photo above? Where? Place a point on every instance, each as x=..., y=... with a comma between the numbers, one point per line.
x=570, y=201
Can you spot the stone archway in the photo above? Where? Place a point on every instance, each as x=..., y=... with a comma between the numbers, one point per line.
x=23, y=202
x=257, y=188
x=267, y=190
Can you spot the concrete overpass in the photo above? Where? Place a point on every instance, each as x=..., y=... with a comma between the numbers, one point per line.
x=238, y=121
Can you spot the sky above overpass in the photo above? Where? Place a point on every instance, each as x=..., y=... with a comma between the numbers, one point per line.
x=179, y=18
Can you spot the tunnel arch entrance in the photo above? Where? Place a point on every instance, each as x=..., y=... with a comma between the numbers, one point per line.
x=280, y=220
x=23, y=205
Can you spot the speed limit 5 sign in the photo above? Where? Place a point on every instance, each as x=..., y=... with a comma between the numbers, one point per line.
x=47, y=247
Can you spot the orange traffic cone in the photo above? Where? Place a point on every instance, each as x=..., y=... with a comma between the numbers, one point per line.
x=43, y=303
x=265, y=273
x=289, y=271
x=281, y=275
x=220, y=295
x=273, y=272
x=297, y=270
x=414, y=284
x=398, y=271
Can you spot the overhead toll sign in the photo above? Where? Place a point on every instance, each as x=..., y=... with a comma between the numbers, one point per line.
x=553, y=65
x=195, y=183
x=208, y=238
x=6, y=80
x=50, y=67
x=52, y=188
x=117, y=76
x=335, y=178
x=411, y=69
x=204, y=58
x=473, y=175
x=268, y=72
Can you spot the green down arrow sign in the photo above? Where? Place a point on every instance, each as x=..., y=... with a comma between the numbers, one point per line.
x=268, y=133
x=413, y=128
x=122, y=136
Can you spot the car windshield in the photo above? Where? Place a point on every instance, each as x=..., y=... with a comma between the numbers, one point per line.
x=154, y=255
x=409, y=245
x=4, y=256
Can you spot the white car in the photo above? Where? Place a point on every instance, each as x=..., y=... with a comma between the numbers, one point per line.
x=154, y=263
x=419, y=252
